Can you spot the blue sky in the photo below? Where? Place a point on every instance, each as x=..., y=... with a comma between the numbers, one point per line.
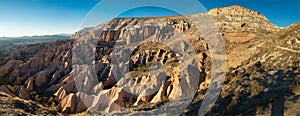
x=41, y=17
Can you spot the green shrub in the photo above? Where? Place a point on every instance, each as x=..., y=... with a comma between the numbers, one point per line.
x=38, y=98
x=35, y=96
x=12, y=88
x=51, y=102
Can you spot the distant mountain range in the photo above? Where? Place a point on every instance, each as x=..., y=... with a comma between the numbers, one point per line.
x=31, y=39
x=39, y=36
x=8, y=44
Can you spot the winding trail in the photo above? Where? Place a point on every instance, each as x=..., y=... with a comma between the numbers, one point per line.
x=287, y=49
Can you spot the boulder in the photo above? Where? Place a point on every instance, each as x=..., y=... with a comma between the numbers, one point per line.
x=29, y=84
x=24, y=93
x=60, y=94
x=68, y=104
x=41, y=79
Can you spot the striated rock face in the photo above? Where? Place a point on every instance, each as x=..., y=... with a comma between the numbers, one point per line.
x=140, y=85
x=24, y=93
x=72, y=103
x=262, y=60
x=5, y=90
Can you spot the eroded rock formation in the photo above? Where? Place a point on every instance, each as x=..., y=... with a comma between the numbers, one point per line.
x=262, y=60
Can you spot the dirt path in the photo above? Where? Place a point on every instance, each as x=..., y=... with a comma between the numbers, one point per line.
x=287, y=49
